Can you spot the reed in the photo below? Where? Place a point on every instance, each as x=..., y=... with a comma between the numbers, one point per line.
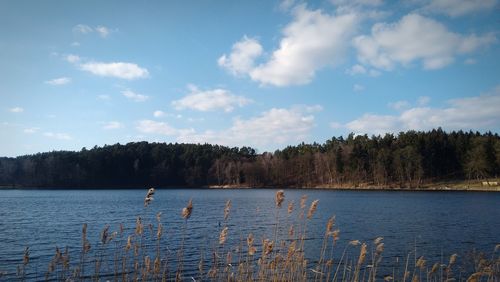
x=142, y=254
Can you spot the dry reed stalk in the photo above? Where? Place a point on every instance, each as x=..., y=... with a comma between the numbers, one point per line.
x=290, y=207
x=328, y=233
x=104, y=235
x=227, y=209
x=139, y=227
x=361, y=260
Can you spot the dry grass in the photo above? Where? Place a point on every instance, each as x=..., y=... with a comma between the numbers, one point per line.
x=140, y=256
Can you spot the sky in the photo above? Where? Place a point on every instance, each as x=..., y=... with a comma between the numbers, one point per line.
x=264, y=74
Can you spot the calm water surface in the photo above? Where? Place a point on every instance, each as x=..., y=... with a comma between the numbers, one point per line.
x=436, y=223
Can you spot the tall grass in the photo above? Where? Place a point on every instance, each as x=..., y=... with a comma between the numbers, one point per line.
x=139, y=254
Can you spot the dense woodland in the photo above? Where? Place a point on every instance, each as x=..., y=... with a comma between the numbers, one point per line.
x=410, y=159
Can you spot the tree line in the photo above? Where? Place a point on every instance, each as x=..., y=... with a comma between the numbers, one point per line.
x=409, y=159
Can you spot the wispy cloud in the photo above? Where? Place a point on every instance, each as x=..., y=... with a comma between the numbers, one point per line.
x=112, y=125
x=155, y=127
x=358, y=88
x=103, y=31
x=423, y=100
x=456, y=8
x=16, y=110
x=59, y=136
x=72, y=58
x=159, y=114
x=58, y=81
x=472, y=113
x=104, y=97
x=359, y=69
x=82, y=28
x=399, y=105
x=134, y=96
x=121, y=70
x=278, y=126
x=210, y=100
x=31, y=130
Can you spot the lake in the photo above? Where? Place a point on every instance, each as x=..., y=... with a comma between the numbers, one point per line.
x=435, y=224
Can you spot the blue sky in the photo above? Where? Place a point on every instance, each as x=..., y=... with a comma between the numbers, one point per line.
x=265, y=74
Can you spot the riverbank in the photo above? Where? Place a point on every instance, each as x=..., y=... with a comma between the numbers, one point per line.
x=491, y=185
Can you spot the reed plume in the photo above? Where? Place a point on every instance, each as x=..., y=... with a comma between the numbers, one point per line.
x=149, y=196
x=223, y=236
x=186, y=212
x=312, y=209
x=279, y=198
x=303, y=200
x=329, y=226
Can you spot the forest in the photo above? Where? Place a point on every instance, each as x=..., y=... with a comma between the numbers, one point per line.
x=406, y=160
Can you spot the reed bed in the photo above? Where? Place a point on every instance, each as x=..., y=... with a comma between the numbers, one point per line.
x=144, y=253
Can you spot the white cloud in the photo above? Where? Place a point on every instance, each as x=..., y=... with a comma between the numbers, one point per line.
x=358, y=88
x=103, y=31
x=112, y=125
x=60, y=136
x=72, y=58
x=456, y=8
x=16, y=110
x=277, y=126
x=210, y=100
x=59, y=81
x=313, y=40
x=472, y=113
x=75, y=44
x=116, y=69
x=159, y=114
x=242, y=57
x=82, y=28
x=155, y=127
x=399, y=105
x=415, y=38
x=134, y=96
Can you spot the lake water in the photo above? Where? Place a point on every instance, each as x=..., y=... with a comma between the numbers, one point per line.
x=436, y=224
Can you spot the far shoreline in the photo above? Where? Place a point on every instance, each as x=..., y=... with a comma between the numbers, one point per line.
x=449, y=186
